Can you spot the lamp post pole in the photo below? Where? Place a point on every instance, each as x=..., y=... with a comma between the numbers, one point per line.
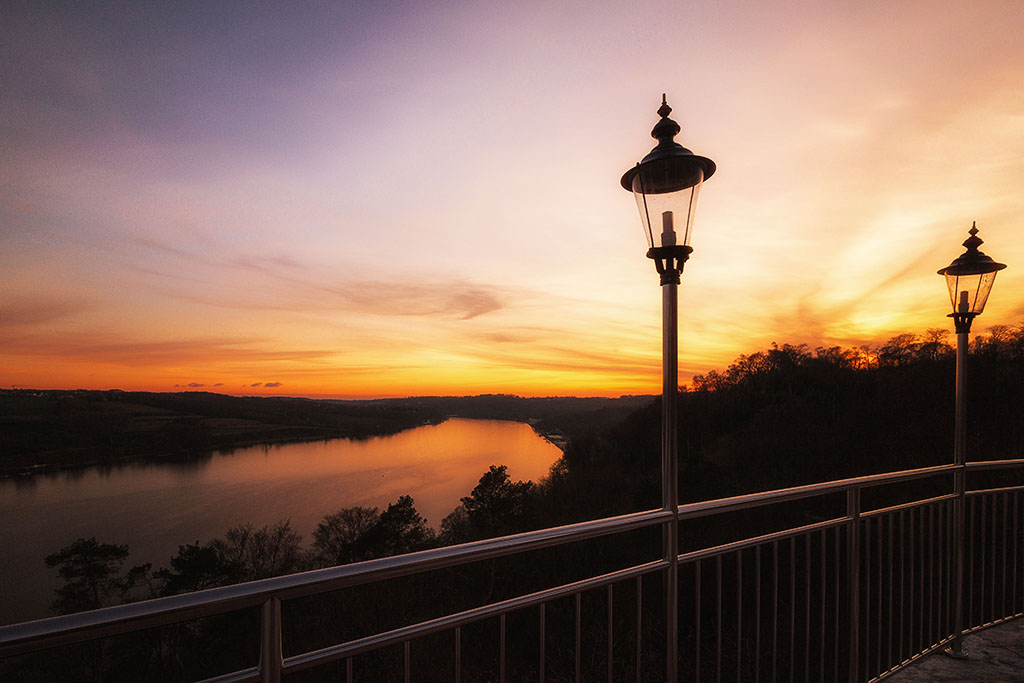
x=670, y=458
x=666, y=184
x=969, y=279
x=963, y=329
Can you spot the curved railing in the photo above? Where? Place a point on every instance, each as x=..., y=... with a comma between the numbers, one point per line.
x=855, y=595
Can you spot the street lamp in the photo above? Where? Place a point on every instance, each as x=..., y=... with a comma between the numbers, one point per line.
x=666, y=184
x=969, y=279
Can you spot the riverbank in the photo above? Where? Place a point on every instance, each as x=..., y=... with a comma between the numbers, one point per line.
x=53, y=430
x=45, y=431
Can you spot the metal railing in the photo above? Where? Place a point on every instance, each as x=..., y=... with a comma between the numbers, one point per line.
x=852, y=596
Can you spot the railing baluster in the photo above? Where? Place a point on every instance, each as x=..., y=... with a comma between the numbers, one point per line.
x=697, y=612
x=838, y=581
x=940, y=558
x=792, y=610
x=912, y=551
x=878, y=651
x=579, y=640
x=1002, y=593
x=458, y=653
x=947, y=552
x=408, y=662
x=926, y=580
x=970, y=564
x=931, y=575
x=639, y=642
x=992, y=599
x=718, y=617
x=610, y=633
x=866, y=620
x=984, y=551
x=271, y=655
x=853, y=541
x=542, y=665
x=1013, y=595
x=501, y=649
x=807, y=608
x=757, y=613
x=349, y=673
x=775, y=609
x=903, y=582
x=892, y=561
x=739, y=615
x=823, y=634
x=951, y=564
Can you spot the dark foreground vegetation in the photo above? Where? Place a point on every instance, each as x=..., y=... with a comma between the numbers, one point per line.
x=779, y=417
x=54, y=429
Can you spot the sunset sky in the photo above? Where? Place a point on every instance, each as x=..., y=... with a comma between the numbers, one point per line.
x=362, y=199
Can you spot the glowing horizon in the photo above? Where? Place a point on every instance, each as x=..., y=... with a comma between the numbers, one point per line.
x=369, y=202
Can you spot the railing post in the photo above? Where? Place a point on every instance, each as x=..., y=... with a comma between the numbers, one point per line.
x=853, y=551
x=670, y=472
x=271, y=655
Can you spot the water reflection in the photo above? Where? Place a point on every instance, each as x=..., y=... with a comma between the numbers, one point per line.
x=155, y=506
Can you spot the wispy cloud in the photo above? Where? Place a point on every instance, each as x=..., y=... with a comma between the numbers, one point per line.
x=281, y=282
x=110, y=349
x=32, y=309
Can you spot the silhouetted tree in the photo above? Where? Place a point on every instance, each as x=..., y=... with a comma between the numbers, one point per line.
x=195, y=567
x=399, y=529
x=496, y=506
x=900, y=350
x=92, y=575
x=340, y=537
x=251, y=553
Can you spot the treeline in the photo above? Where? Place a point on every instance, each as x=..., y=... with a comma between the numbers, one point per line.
x=789, y=415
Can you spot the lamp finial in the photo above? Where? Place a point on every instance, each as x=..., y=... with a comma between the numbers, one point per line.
x=664, y=110
x=973, y=242
x=666, y=128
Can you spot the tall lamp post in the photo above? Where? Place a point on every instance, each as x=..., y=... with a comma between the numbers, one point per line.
x=666, y=184
x=969, y=279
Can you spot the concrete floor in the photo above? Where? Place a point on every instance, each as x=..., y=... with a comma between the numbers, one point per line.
x=994, y=654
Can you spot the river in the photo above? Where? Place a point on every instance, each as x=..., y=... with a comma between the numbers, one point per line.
x=154, y=507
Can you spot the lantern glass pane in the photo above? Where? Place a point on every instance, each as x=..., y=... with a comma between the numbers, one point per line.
x=667, y=205
x=969, y=293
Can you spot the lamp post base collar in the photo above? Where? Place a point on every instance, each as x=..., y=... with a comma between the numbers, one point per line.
x=669, y=261
x=962, y=321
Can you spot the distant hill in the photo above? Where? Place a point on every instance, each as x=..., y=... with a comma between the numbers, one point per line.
x=47, y=429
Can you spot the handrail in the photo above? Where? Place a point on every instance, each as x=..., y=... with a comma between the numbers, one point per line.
x=880, y=512
x=745, y=543
x=1000, y=489
x=994, y=464
x=72, y=628
x=750, y=500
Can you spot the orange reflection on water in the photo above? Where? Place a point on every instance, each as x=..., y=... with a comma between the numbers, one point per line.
x=436, y=465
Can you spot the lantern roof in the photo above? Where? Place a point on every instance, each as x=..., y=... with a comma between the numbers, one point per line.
x=972, y=261
x=664, y=132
